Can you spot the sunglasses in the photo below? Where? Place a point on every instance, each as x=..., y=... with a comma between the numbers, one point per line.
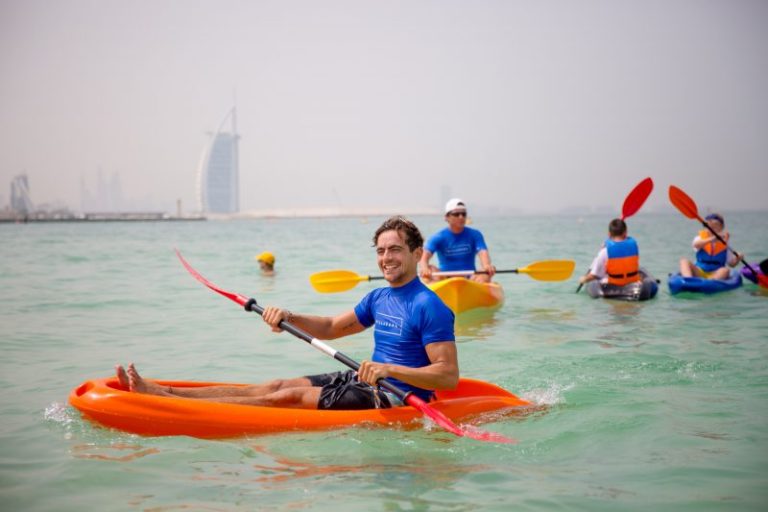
x=458, y=214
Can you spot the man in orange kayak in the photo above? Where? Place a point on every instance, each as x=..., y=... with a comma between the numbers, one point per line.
x=414, y=342
x=456, y=246
x=712, y=256
x=618, y=261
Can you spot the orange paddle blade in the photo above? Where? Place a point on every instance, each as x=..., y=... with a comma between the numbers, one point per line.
x=682, y=202
x=636, y=198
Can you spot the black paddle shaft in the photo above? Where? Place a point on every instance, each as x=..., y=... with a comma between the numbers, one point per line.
x=704, y=223
x=253, y=306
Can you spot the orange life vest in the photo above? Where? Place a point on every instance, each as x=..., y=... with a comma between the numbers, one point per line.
x=623, y=265
x=713, y=255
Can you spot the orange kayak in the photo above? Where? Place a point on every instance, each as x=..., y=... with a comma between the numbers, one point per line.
x=105, y=402
x=462, y=294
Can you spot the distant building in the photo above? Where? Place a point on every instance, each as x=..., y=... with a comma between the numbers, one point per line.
x=108, y=196
x=20, y=199
x=218, y=173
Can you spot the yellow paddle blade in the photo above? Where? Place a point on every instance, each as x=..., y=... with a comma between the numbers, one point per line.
x=551, y=270
x=334, y=281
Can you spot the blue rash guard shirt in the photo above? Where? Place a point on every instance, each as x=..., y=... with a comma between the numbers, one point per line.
x=456, y=251
x=406, y=320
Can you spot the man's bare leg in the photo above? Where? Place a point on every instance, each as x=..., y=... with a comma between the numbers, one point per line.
x=137, y=383
x=295, y=398
x=722, y=273
x=481, y=278
x=122, y=377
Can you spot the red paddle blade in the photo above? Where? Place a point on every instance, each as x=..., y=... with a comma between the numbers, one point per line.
x=236, y=297
x=762, y=280
x=682, y=202
x=445, y=422
x=636, y=198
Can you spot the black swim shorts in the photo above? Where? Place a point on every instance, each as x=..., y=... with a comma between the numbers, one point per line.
x=342, y=391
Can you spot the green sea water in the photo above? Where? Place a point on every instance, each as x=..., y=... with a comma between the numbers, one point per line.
x=660, y=405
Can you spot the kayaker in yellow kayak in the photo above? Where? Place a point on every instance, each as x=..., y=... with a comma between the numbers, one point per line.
x=456, y=246
x=414, y=342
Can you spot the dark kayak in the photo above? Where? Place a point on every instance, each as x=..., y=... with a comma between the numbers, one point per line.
x=644, y=289
x=678, y=283
x=746, y=272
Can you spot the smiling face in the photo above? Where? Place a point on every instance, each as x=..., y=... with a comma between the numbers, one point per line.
x=397, y=262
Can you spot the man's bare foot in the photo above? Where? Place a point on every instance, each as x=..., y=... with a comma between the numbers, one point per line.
x=122, y=377
x=137, y=384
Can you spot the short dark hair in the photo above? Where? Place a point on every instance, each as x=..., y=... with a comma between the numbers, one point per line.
x=617, y=227
x=405, y=227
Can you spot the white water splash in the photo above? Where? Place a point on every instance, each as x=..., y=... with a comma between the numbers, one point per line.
x=58, y=413
x=549, y=396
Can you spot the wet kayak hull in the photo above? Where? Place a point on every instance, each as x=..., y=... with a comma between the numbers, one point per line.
x=747, y=273
x=678, y=283
x=106, y=403
x=644, y=289
x=461, y=294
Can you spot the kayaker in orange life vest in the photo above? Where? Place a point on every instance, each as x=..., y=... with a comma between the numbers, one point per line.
x=414, y=342
x=618, y=261
x=712, y=256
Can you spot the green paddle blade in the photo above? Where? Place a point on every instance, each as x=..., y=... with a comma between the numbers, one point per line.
x=334, y=281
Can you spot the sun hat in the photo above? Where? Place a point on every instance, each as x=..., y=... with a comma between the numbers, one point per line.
x=267, y=257
x=455, y=204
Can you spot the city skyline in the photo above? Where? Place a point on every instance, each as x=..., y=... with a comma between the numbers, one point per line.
x=516, y=106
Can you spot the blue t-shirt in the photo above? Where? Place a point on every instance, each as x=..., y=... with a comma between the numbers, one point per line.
x=456, y=251
x=406, y=319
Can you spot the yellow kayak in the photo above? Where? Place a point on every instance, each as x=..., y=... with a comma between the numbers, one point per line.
x=462, y=294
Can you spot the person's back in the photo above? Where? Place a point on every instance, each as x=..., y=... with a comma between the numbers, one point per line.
x=618, y=261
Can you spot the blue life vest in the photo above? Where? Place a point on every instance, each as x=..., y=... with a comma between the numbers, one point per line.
x=712, y=256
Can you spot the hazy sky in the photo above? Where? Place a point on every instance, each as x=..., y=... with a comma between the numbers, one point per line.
x=534, y=105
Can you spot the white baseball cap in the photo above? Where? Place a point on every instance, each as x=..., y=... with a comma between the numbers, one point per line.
x=455, y=204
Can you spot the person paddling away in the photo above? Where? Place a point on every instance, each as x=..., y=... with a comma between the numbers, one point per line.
x=618, y=261
x=414, y=342
x=712, y=255
x=456, y=246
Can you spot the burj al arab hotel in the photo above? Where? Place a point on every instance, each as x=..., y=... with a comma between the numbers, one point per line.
x=218, y=172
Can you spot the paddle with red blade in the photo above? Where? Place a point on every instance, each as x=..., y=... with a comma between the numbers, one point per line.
x=687, y=207
x=632, y=204
x=409, y=398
